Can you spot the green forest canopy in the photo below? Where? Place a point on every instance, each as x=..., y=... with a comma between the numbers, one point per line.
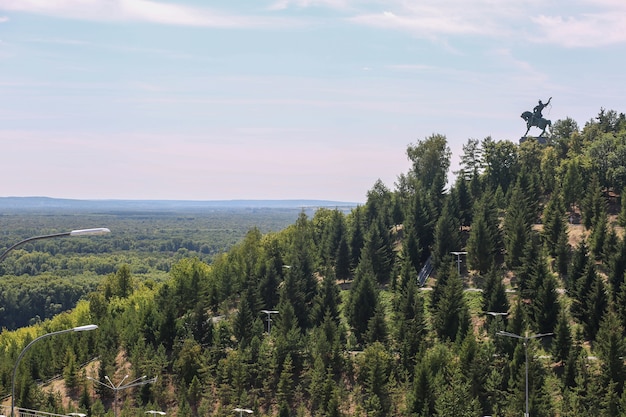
x=355, y=334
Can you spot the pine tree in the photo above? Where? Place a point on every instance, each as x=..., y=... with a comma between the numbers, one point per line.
x=599, y=235
x=554, y=226
x=411, y=325
x=545, y=303
x=562, y=341
x=377, y=327
x=611, y=349
x=378, y=248
x=357, y=237
x=484, y=242
x=363, y=299
x=447, y=237
x=621, y=218
x=595, y=308
x=327, y=300
x=244, y=320
x=454, y=397
x=517, y=227
x=70, y=371
x=494, y=293
x=593, y=203
x=342, y=264
x=579, y=262
x=451, y=314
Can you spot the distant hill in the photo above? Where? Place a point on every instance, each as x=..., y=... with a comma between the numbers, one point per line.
x=50, y=204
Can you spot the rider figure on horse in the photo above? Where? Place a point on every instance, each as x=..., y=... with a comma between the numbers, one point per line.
x=535, y=118
x=537, y=111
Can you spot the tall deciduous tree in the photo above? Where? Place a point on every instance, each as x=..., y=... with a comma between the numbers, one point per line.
x=431, y=160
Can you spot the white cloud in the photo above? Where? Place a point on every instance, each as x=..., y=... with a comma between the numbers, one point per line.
x=332, y=4
x=137, y=10
x=588, y=30
x=590, y=23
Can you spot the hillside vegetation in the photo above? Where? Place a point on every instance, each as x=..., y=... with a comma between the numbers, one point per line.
x=355, y=333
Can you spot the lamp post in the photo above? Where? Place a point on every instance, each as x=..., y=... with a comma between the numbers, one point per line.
x=525, y=339
x=19, y=358
x=80, y=232
x=116, y=388
x=458, y=260
x=269, y=318
x=242, y=410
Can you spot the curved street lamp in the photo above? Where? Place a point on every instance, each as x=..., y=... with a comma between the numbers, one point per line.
x=269, y=319
x=19, y=358
x=242, y=410
x=525, y=339
x=116, y=388
x=80, y=232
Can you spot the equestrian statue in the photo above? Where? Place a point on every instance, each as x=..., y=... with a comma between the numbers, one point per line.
x=535, y=118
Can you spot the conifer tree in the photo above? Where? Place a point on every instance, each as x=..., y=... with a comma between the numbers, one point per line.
x=530, y=266
x=599, y=232
x=484, y=240
x=356, y=236
x=363, y=299
x=593, y=203
x=447, y=237
x=562, y=341
x=545, y=303
x=244, y=320
x=579, y=261
x=411, y=325
x=450, y=314
x=572, y=188
x=342, y=264
x=378, y=249
x=327, y=300
x=454, y=397
x=581, y=291
x=554, y=226
x=611, y=349
x=412, y=252
x=595, y=308
x=464, y=202
x=621, y=218
x=377, y=327
x=302, y=271
x=517, y=228
x=494, y=293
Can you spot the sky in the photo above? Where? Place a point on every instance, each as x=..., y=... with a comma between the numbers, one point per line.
x=282, y=99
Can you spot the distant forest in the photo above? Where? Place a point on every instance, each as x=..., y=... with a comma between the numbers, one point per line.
x=45, y=277
x=430, y=299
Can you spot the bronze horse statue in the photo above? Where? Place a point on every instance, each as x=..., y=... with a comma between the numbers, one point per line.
x=532, y=120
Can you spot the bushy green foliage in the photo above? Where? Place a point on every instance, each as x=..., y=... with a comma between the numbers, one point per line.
x=354, y=335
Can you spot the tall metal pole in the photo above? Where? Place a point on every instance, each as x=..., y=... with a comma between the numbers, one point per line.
x=19, y=358
x=525, y=339
x=526, y=356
